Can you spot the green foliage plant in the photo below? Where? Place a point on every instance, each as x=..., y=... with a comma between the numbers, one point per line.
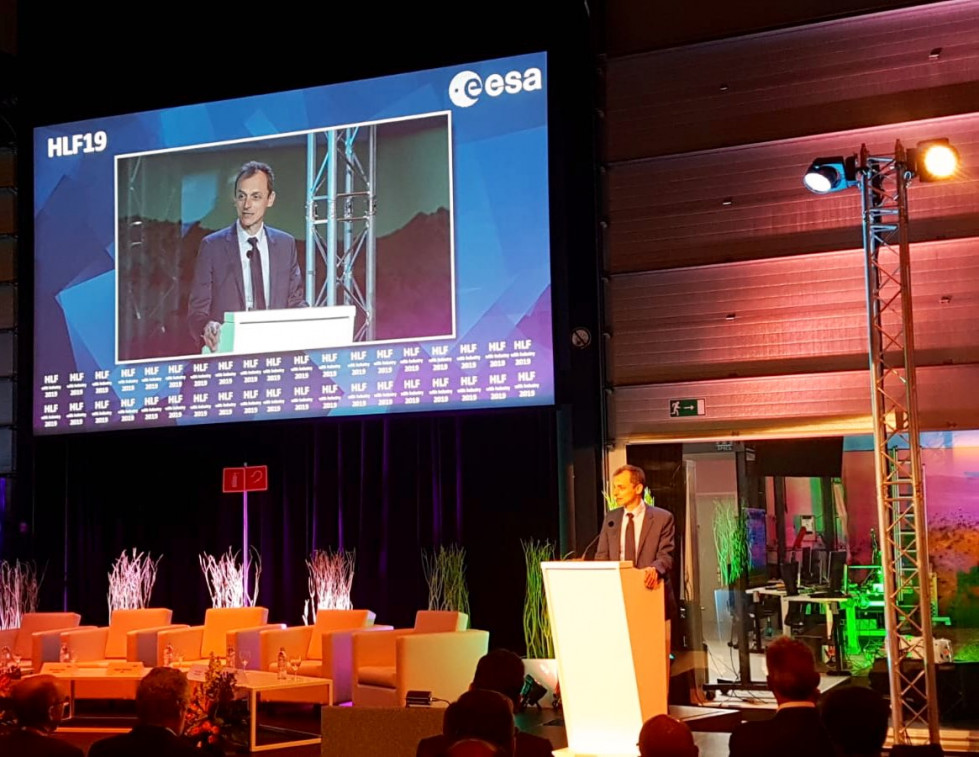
x=445, y=574
x=536, y=621
x=730, y=540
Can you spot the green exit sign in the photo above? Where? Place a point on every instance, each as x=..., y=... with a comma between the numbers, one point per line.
x=687, y=408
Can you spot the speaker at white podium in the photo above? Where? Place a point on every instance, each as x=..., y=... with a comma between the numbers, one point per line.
x=610, y=643
x=286, y=330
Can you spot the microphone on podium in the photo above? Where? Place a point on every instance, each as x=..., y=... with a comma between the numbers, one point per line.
x=592, y=543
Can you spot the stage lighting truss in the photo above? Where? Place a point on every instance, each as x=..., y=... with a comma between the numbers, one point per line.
x=883, y=184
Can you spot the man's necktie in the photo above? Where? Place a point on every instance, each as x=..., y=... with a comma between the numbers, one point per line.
x=258, y=283
x=630, y=539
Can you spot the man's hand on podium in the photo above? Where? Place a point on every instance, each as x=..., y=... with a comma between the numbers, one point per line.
x=651, y=578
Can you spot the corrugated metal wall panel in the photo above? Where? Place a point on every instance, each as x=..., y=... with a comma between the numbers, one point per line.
x=707, y=217
x=797, y=314
x=799, y=405
x=633, y=25
x=831, y=76
x=669, y=212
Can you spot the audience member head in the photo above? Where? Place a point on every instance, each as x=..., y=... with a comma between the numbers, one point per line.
x=483, y=715
x=37, y=703
x=500, y=670
x=663, y=736
x=162, y=697
x=792, y=675
x=856, y=719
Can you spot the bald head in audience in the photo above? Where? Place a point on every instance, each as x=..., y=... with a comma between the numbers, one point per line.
x=663, y=736
x=37, y=703
x=792, y=675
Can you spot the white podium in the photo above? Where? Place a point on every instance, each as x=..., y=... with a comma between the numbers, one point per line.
x=286, y=330
x=610, y=643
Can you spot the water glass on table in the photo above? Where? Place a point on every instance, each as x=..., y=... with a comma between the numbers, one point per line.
x=294, y=663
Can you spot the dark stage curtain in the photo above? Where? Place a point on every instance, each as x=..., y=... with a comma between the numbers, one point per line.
x=387, y=487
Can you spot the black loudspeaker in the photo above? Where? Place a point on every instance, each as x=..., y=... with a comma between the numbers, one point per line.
x=957, y=683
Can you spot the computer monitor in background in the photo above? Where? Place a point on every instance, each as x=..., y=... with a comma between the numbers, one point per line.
x=757, y=546
x=837, y=567
x=790, y=571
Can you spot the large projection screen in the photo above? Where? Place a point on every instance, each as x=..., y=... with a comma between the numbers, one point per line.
x=405, y=254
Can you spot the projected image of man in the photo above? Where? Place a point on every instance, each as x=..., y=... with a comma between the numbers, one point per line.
x=247, y=266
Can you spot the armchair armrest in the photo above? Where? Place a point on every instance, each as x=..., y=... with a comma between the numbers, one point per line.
x=338, y=659
x=376, y=648
x=141, y=643
x=443, y=663
x=186, y=642
x=294, y=640
x=46, y=645
x=86, y=644
x=250, y=640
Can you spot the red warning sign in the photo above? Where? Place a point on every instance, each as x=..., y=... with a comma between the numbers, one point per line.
x=251, y=478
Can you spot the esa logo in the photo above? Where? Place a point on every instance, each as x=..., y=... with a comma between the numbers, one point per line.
x=467, y=86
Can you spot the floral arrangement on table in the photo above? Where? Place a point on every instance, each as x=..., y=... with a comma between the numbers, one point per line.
x=8, y=679
x=216, y=719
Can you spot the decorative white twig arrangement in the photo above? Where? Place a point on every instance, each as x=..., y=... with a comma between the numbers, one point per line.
x=445, y=574
x=331, y=575
x=19, y=586
x=225, y=578
x=131, y=580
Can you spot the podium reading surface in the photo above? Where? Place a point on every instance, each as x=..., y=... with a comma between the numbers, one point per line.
x=610, y=642
x=286, y=330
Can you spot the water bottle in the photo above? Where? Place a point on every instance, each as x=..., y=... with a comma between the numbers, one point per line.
x=64, y=655
x=168, y=655
x=281, y=663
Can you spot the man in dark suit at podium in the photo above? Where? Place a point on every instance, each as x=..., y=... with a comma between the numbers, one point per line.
x=247, y=266
x=647, y=539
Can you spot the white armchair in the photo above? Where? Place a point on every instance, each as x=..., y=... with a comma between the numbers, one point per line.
x=325, y=648
x=38, y=637
x=438, y=655
x=197, y=643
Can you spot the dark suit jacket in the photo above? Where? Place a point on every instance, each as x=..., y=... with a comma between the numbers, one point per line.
x=656, y=544
x=796, y=731
x=525, y=745
x=30, y=744
x=144, y=741
x=218, y=285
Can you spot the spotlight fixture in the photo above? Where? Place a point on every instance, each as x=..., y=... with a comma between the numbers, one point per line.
x=531, y=693
x=832, y=174
x=934, y=160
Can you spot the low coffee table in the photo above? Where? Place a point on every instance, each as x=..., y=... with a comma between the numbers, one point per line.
x=258, y=682
x=72, y=672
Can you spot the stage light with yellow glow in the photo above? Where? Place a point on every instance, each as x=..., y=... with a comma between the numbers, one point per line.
x=936, y=160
